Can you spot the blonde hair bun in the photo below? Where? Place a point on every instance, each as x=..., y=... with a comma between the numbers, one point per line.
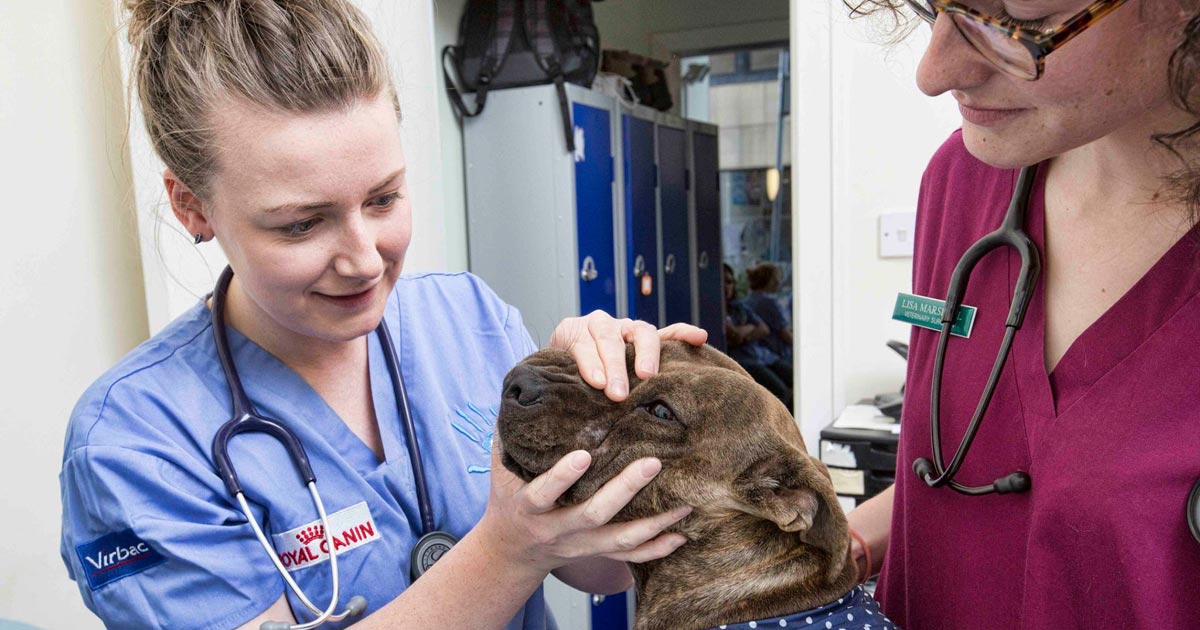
x=189, y=56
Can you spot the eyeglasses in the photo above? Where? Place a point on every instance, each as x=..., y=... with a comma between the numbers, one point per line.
x=1017, y=47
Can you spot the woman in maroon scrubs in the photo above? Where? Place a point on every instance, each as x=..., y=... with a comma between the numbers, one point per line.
x=1100, y=398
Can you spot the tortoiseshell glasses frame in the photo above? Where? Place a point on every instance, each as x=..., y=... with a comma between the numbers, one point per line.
x=1016, y=49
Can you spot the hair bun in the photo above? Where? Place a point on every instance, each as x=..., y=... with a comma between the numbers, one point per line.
x=145, y=16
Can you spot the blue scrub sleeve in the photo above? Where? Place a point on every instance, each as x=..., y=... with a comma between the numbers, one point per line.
x=151, y=544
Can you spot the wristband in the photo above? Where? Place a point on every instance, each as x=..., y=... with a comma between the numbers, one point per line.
x=866, y=554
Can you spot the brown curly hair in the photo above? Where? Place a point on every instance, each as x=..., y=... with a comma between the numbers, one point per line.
x=1184, y=77
x=763, y=275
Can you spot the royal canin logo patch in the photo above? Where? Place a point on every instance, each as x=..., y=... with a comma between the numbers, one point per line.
x=306, y=546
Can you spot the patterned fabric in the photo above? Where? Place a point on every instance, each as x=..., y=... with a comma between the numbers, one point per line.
x=855, y=610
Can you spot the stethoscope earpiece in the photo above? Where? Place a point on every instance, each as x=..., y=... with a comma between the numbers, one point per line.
x=357, y=605
x=1019, y=481
x=923, y=468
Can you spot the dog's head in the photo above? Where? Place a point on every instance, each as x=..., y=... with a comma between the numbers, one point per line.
x=729, y=448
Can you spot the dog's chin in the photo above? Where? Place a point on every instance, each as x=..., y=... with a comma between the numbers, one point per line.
x=526, y=472
x=520, y=466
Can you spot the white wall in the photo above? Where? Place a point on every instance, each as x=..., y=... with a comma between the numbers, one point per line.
x=71, y=298
x=868, y=136
x=446, y=14
x=177, y=273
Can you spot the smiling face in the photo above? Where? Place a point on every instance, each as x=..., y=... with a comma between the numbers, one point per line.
x=728, y=447
x=1110, y=80
x=312, y=211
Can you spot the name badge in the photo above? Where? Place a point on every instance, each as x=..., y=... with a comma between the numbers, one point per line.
x=927, y=312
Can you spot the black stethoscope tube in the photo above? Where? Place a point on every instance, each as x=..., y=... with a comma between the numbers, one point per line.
x=246, y=418
x=410, y=430
x=1009, y=234
x=1193, y=511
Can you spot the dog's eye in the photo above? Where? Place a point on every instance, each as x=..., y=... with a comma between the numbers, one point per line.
x=662, y=412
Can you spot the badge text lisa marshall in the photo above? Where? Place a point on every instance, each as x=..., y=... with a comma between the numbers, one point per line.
x=922, y=307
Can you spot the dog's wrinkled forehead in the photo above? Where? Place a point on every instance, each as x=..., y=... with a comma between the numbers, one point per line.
x=679, y=354
x=675, y=355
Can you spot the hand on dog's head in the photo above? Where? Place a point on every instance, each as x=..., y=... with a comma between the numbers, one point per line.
x=729, y=448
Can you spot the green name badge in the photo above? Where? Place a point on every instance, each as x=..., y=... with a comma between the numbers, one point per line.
x=927, y=313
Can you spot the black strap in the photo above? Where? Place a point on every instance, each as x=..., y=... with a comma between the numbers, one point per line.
x=551, y=64
x=565, y=110
x=455, y=92
x=495, y=52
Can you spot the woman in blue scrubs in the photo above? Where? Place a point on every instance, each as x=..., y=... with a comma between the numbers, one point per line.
x=278, y=123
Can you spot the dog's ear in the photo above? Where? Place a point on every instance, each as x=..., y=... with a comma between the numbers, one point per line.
x=793, y=490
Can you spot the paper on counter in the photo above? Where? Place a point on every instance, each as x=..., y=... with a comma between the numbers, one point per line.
x=866, y=417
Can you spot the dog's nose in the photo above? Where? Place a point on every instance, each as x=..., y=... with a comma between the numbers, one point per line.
x=525, y=386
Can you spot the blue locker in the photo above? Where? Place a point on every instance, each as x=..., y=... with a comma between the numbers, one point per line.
x=594, y=209
x=641, y=220
x=673, y=207
x=707, y=213
x=542, y=220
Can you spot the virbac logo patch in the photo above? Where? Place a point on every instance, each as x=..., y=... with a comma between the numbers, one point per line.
x=114, y=556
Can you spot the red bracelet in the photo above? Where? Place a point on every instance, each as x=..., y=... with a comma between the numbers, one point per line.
x=866, y=554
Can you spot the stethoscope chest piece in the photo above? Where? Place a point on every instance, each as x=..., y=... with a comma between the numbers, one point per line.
x=429, y=549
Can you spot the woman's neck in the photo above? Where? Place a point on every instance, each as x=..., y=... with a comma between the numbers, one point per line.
x=1126, y=171
x=303, y=354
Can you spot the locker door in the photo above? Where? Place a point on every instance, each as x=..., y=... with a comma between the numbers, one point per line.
x=641, y=223
x=594, y=210
x=708, y=238
x=673, y=204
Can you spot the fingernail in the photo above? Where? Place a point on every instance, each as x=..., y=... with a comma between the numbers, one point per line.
x=680, y=539
x=579, y=460
x=598, y=378
x=681, y=512
x=648, y=367
x=620, y=388
x=650, y=468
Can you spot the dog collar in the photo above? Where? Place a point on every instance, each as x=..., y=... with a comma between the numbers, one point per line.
x=855, y=610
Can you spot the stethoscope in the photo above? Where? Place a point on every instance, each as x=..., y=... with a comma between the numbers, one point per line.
x=1010, y=234
x=430, y=547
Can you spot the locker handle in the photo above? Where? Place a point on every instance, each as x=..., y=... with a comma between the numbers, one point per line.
x=639, y=266
x=703, y=261
x=588, y=272
x=669, y=264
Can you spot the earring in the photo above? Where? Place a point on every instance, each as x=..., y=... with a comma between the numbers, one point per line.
x=199, y=238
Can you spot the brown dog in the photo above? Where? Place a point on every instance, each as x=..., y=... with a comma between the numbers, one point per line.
x=766, y=536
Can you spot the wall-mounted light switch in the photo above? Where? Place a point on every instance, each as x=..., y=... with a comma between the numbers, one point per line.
x=896, y=234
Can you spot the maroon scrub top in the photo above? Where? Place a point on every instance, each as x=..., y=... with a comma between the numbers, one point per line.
x=1111, y=439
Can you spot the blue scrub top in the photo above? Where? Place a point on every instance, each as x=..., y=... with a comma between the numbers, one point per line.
x=150, y=535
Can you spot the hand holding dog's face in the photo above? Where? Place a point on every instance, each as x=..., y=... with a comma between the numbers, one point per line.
x=729, y=449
